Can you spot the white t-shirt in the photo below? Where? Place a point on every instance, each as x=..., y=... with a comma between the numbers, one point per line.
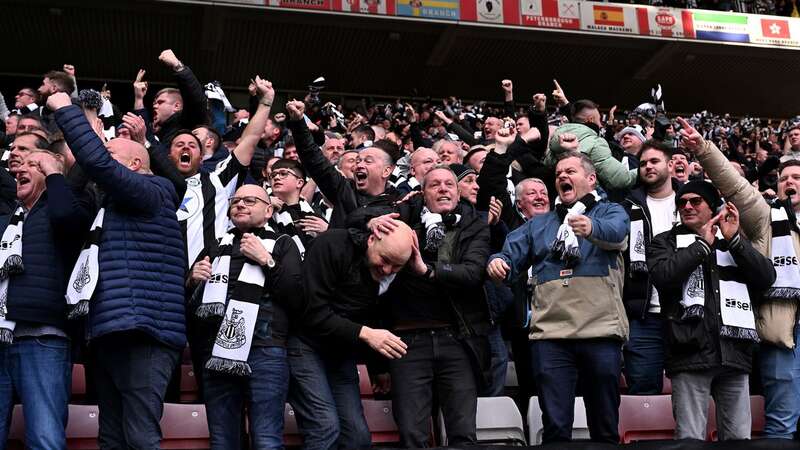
x=662, y=216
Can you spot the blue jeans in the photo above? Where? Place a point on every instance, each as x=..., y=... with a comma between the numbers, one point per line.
x=780, y=375
x=557, y=363
x=644, y=356
x=131, y=373
x=39, y=370
x=265, y=394
x=499, y=363
x=326, y=399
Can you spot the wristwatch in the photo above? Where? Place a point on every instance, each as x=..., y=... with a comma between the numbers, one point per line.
x=270, y=263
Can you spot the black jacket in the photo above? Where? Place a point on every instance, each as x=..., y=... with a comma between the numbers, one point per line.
x=341, y=294
x=638, y=287
x=462, y=279
x=340, y=191
x=695, y=344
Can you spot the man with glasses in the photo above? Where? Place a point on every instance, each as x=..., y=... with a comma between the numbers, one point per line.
x=25, y=101
x=295, y=217
x=367, y=192
x=706, y=274
x=279, y=299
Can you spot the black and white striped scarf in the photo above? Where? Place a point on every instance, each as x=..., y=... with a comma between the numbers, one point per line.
x=235, y=335
x=86, y=272
x=784, y=259
x=736, y=309
x=436, y=226
x=284, y=224
x=10, y=264
x=637, y=244
x=566, y=246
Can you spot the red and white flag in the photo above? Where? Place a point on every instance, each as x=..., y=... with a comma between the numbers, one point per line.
x=383, y=7
x=768, y=30
x=490, y=11
x=667, y=22
x=551, y=13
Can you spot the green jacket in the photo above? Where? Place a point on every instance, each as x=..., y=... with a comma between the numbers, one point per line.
x=611, y=174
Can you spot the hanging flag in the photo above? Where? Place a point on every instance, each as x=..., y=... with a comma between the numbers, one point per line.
x=551, y=13
x=768, y=30
x=301, y=4
x=714, y=26
x=490, y=11
x=667, y=22
x=381, y=7
x=603, y=17
x=429, y=9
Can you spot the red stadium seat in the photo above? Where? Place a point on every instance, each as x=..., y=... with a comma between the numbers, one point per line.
x=381, y=421
x=186, y=356
x=291, y=434
x=364, y=383
x=189, y=392
x=16, y=433
x=184, y=427
x=645, y=417
x=83, y=427
x=78, y=383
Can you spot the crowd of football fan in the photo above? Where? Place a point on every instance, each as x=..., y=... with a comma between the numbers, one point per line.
x=429, y=240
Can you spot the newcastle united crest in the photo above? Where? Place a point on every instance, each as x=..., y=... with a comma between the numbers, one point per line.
x=695, y=286
x=232, y=334
x=638, y=247
x=83, y=277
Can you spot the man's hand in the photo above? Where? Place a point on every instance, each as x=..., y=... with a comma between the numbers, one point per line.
x=611, y=113
x=709, y=230
x=69, y=69
x=139, y=85
x=264, y=89
x=313, y=225
x=277, y=204
x=384, y=224
x=540, y=102
x=383, y=342
x=581, y=225
x=558, y=95
x=135, y=124
x=58, y=101
x=729, y=221
x=503, y=138
x=170, y=60
x=497, y=269
x=692, y=140
x=508, y=89
x=443, y=117
x=251, y=88
x=415, y=263
x=295, y=109
x=201, y=271
x=568, y=142
x=251, y=247
x=45, y=163
x=495, y=209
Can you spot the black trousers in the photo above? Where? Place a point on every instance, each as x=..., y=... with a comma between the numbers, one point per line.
x=131, y=373
x=435, y=361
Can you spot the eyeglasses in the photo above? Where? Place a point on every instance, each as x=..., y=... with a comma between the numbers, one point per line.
x=281, y=174
x=248, y=201
x=694, y=201
x=21, y=93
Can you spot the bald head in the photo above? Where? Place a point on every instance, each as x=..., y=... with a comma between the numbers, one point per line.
x=250, y=207
x=130, y=154
x=391, y=252
x=422, y=161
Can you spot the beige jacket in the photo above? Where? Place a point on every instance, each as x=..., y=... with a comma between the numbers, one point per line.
x=776, y=319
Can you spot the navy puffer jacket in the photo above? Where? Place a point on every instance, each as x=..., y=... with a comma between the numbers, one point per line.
x=141, y=252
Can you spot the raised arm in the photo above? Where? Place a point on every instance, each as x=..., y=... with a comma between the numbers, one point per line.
x=195, y=103
x=125, y=186
x=252, y=132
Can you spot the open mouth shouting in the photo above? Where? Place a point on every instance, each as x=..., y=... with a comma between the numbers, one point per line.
x=361, y=178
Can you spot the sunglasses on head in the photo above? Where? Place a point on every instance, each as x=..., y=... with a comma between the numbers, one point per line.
x=694, y=201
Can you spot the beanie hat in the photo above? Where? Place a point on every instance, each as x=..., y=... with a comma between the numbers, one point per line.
x=703, y=189
x=461, y=171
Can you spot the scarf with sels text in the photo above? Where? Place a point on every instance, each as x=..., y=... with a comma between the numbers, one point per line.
x=787, y=283
x=566, y=247
x=736, y=310
x=235, y=335
x=83, y=279
x=10, y=264
x=436, y=226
